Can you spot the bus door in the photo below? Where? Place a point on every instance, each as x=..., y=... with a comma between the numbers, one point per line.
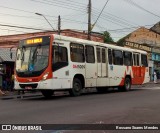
x=91, y=71
x=99, y=62
x=102, y=66
x=137, y=68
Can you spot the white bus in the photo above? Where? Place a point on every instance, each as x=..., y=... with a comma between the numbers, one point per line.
x=55, y=62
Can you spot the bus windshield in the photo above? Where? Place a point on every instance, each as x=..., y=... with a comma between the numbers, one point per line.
x=32, y=58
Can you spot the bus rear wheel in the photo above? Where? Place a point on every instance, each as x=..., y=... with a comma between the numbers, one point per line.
x=47, y=93
x=127, y=85
x=77, y=88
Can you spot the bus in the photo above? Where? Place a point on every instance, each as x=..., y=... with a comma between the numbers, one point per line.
x=55, y=62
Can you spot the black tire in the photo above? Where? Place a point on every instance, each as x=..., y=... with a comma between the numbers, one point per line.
x=127, y=85
x=77, y=88
x=47, y=93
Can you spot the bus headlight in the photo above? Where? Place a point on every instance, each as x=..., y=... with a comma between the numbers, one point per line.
x=45, y=76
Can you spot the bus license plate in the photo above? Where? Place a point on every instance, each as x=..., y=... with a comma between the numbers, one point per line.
x=28, y=87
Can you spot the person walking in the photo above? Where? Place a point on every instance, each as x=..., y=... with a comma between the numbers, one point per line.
x=155, y=77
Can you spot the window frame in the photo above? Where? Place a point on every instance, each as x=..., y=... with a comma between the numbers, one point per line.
x=77, y=53
x=115, y=59
x=129, y=58
x=86, y=53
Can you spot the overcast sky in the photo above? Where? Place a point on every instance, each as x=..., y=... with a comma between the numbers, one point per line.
x=119, y=16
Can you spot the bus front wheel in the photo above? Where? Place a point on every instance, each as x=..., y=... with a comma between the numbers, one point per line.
x=47, y=93
x=77, y=87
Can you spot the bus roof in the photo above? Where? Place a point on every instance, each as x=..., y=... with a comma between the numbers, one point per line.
x=82, y=41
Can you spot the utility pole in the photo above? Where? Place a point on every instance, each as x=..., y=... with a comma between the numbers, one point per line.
x=89, y=20
x=59, y=25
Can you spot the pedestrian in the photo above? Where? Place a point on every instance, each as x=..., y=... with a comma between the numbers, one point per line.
x=155, y=77
x=4, y=84
x=12, y=82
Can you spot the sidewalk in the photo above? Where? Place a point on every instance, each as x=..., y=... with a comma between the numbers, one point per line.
x=14, y=94
x=149, y=84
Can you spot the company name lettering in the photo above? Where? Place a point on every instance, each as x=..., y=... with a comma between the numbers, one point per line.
x=79, y=66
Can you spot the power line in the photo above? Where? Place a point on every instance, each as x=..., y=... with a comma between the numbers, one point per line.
x=60, y=5
x=21, y=27
x=13, y=30
x=68, y=3
x=100, y=13
x=116, y=20
x=140, y=7
x=130, y=28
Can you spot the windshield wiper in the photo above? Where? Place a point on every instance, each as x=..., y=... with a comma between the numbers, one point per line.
x=34, y=56
x=22, y=53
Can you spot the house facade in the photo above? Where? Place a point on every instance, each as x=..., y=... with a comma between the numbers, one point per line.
x=147, y=40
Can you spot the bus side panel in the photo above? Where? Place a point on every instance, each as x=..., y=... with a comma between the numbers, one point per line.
x=76, y=69
x=116, y=75
x=91, y=74
x=140, y=75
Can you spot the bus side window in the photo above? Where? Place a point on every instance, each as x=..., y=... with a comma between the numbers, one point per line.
x=144, y=61
x=138, y=60
x=127, y=58
x=90, y=57
x=98, y=55
x=110, y=56
x=117, y=57
x=77, y=52
x=103, y=55
x=59, y=57
x=134, y=59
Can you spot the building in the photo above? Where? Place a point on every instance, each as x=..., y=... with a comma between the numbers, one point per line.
x=156, y=28
x=147, y=40
x=12, y=40
x=144, y=36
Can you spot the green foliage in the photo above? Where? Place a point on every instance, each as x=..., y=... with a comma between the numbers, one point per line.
x=107, y=37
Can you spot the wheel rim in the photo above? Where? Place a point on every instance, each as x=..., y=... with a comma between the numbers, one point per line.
x=127, y=84
x=77, y=87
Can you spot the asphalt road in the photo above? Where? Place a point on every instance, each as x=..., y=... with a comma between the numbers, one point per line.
x=139, y=106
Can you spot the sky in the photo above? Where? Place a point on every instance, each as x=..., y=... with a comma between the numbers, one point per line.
x=119, y=17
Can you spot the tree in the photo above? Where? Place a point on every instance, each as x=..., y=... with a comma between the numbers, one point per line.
x=107, y=37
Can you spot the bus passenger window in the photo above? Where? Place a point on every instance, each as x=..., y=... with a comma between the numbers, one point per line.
x=90, y=58
x=59, y=57
x=134, y=58
x=127, y=58
x=98, y=55
x=137, y=59
x=110, y=56
x=103, y=55
x=77, y=52
x=117, y=57
x=144, y=61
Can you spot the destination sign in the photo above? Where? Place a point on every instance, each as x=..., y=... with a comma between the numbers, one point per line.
x=34, y=41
